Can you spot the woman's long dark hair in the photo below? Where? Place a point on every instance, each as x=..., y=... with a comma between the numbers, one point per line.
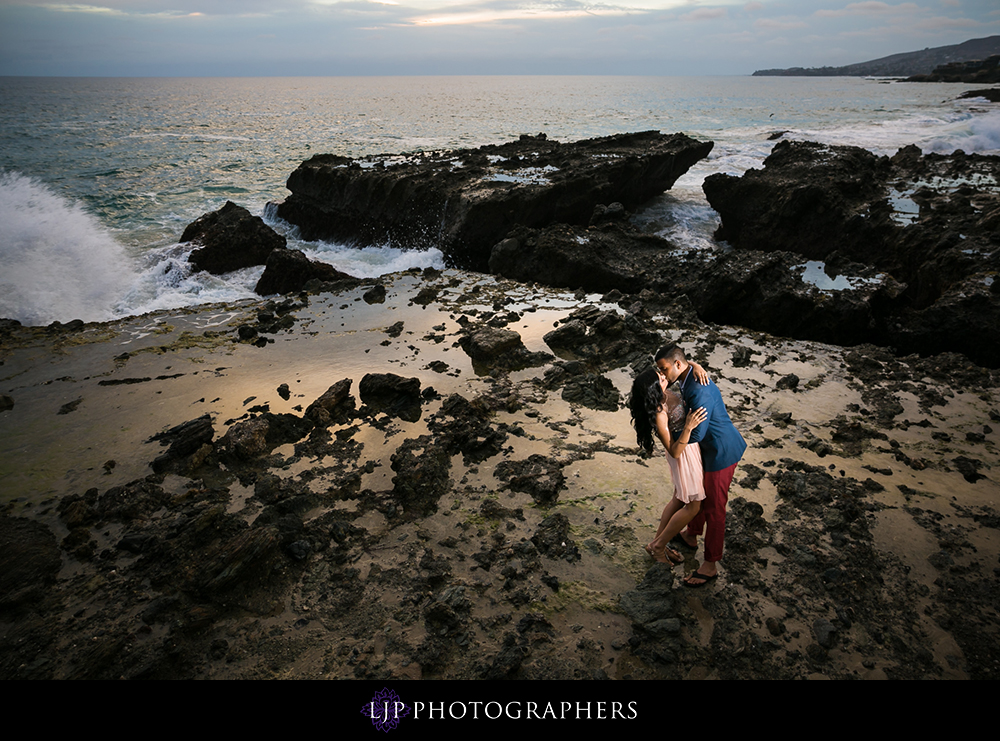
x=644, y=402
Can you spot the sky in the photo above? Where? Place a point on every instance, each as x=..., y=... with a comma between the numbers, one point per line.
x=430, y=37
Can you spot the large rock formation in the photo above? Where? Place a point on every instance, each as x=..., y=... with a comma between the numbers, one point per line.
x=465, y=201
x=931, y=222
x=777, y=292
x=834, y=244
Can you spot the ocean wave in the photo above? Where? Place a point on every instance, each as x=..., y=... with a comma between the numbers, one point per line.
x=59, y=262
x=371, y=262
x=942, y=132
x=975, y=133
x=170, y=282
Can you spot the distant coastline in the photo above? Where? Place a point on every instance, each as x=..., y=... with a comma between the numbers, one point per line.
x=907, y=64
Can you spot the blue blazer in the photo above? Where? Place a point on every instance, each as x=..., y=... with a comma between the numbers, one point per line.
x=722, y=445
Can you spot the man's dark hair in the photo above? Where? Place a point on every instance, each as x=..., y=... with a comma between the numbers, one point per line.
x=671, y=352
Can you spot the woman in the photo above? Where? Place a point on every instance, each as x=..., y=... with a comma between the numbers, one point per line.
x=655, y=409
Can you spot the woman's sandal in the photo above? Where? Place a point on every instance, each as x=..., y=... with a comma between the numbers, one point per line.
x=667, y=555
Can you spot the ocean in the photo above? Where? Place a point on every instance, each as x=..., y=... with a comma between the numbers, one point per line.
x=99, y=176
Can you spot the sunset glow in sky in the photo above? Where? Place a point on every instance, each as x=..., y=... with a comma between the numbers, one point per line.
x=358, y=37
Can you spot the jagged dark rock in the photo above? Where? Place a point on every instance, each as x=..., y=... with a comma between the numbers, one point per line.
x=496, y=348
x=597, y=259
x=465, y=201
x=991, y=94
x=256, y=437
x=652, y=600
x=422, y=466
x=336, y=405
x=232, y=238
x=185, y=440
x=539, y=476
x=928, y=222
x=288, y=271
x=391, y=394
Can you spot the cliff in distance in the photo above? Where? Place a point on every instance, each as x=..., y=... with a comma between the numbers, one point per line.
x=900, y=65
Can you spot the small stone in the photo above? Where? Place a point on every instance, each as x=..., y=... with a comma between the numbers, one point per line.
x=825, y=632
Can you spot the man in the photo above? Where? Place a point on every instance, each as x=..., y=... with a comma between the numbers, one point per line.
x=722, y=448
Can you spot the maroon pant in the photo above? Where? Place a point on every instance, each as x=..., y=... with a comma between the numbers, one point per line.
x=711, y=518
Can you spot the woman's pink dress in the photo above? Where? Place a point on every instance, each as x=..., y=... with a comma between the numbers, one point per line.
x=686, y=471
x=687, y=474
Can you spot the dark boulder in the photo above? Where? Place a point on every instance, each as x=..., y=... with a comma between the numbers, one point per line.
x=466, y=427
x=552, y=539
x=604, y=337
x=258, y=436
x=188, y=440
x=240, y=560
x=391, y=394
x=497, y=348
x=288, y=271
x=592, y=390
x=539, y=476
x=651, y=601
x=465, y=201
x=422, y=467
x=335, y=406
x=781, y=294
x=231, y=238
x=991, y=94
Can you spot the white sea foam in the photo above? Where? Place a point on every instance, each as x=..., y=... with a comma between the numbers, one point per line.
x=371, y=262
x=58, y=262
x=979, y=133
x=942, y=132
x=170, y=282
x=360, y=262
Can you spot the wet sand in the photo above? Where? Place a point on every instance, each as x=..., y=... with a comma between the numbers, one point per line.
x=862, y=542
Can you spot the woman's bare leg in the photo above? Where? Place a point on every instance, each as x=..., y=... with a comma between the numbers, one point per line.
x=676, y=515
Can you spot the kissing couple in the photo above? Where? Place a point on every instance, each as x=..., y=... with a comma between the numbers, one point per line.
x=702, y=447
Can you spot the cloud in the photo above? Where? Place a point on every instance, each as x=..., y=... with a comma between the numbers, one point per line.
x=705, y=14
x=780, y=24
x=202, y=37
x=935, y=24
x=496, y=12
x=869, y=8
x=73, y=8
x=166, y=8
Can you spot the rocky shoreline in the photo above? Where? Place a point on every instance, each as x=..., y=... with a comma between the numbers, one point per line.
x=825, y=243
x=430, y=476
